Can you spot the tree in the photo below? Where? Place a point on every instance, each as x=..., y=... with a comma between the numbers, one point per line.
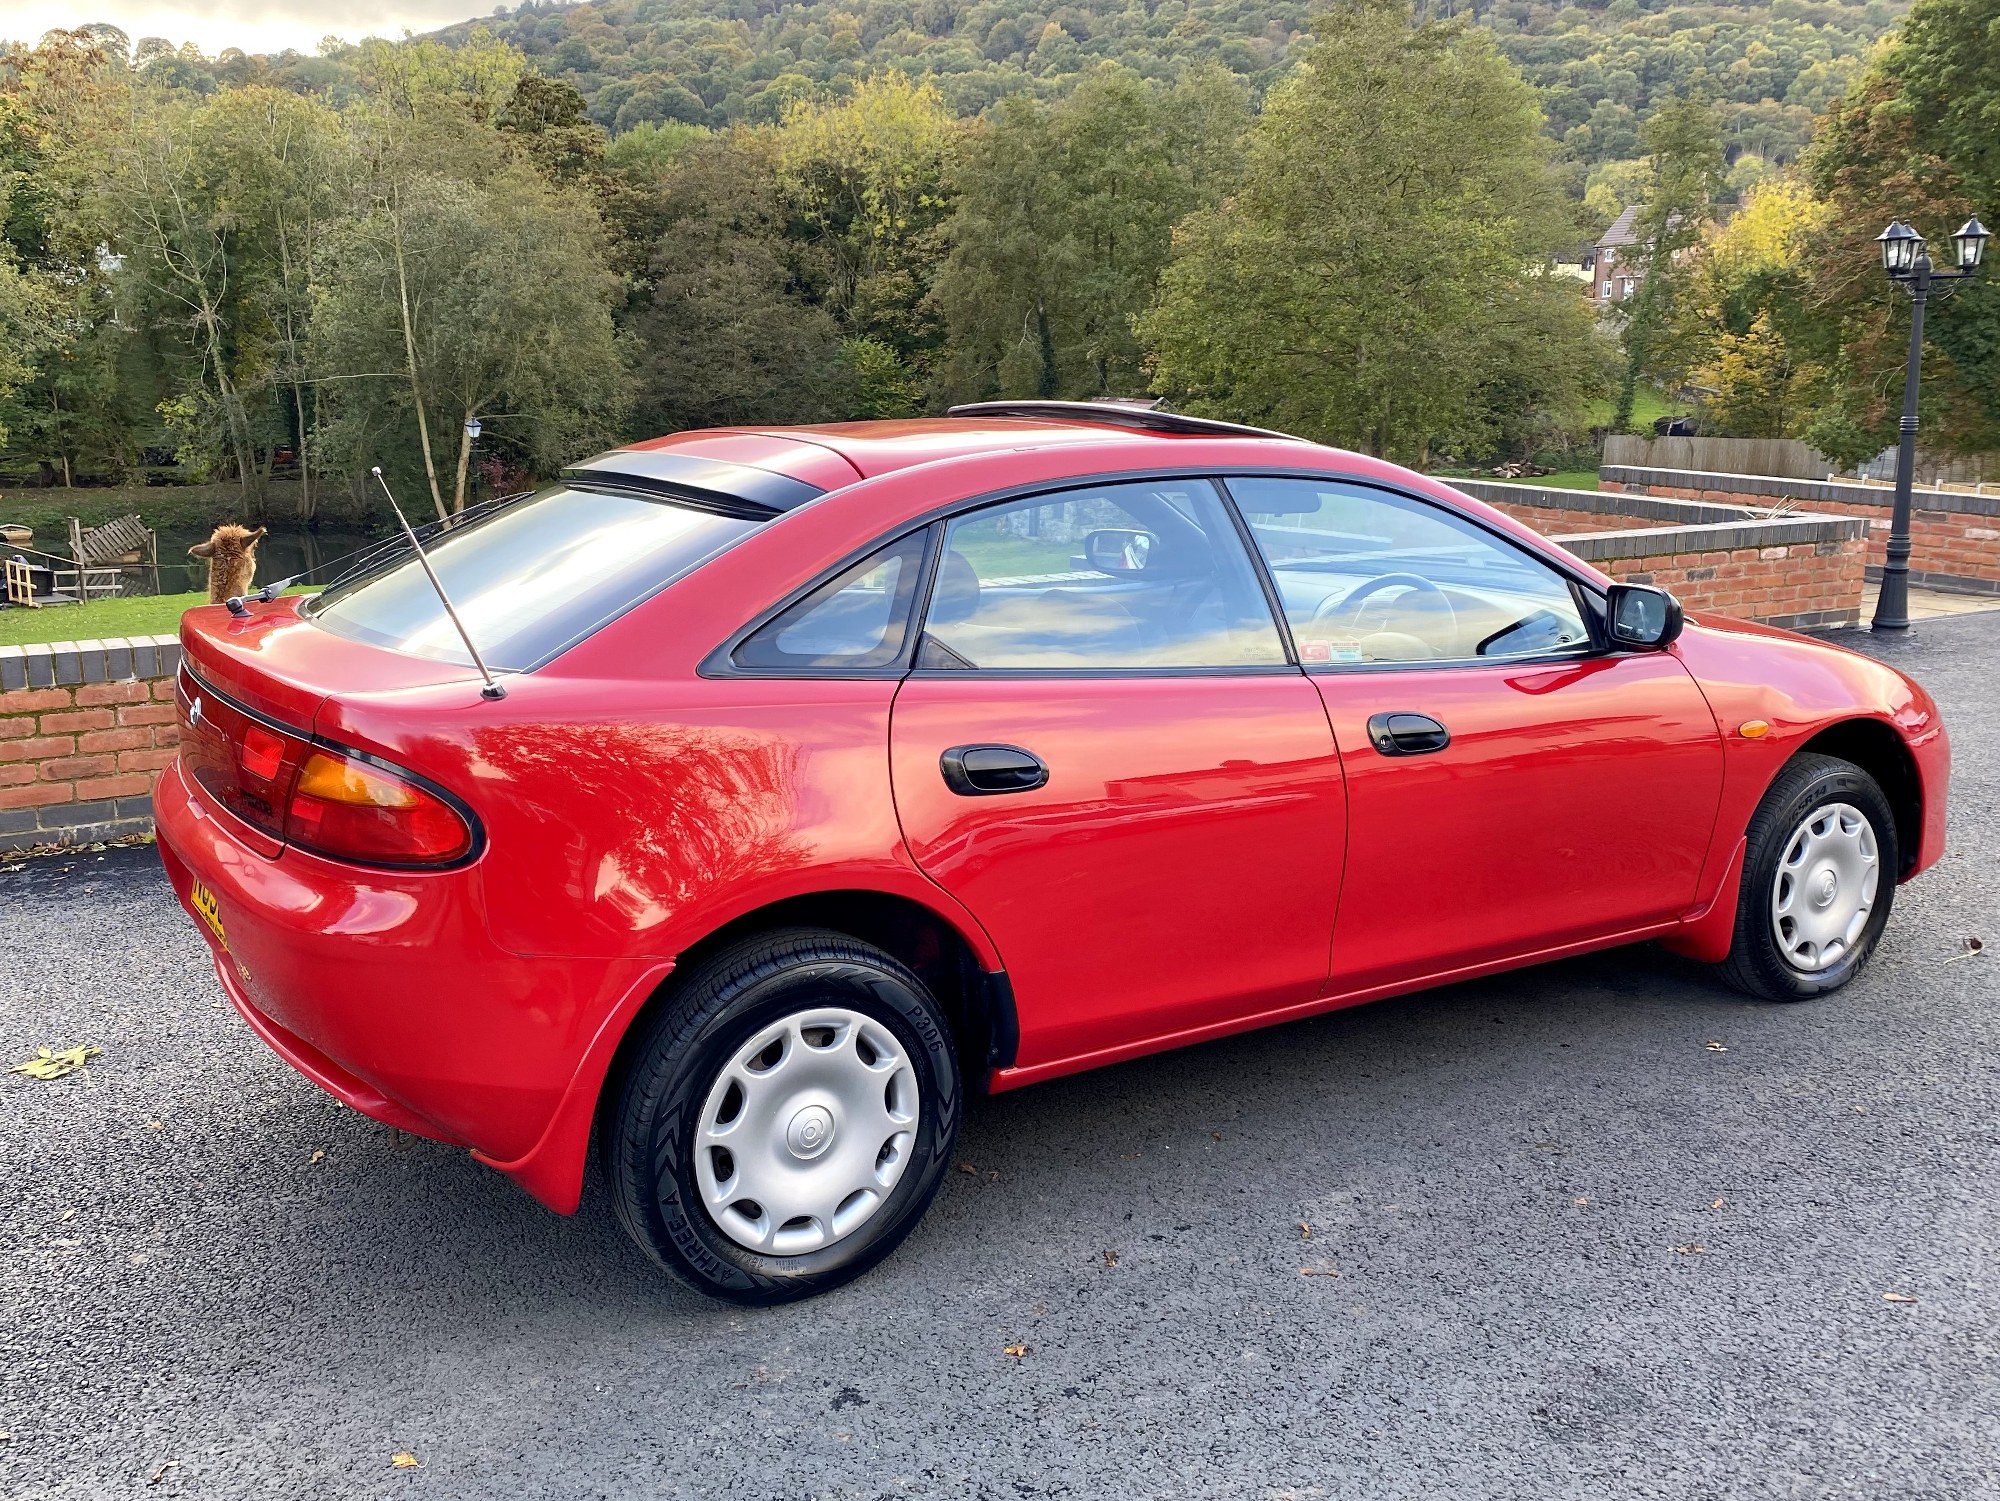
x=1684, y=143
x=1746, y=330
x=29, y=312
x=723, y=332
x=1064, y=222
x=1914, y=139
x=1380, y=277
x=477, y=296
x=866, y=178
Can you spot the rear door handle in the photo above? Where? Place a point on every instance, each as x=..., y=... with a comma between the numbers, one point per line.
x=984, y=770
x=1405, y=734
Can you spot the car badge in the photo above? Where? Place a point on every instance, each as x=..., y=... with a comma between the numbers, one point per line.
x=194, y=714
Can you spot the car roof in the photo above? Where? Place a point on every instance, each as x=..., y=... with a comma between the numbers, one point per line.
x=777, y=468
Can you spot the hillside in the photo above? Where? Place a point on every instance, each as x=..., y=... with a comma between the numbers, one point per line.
x=1599, y=67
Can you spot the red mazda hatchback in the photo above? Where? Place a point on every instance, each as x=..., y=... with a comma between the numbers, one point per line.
x=838, y=770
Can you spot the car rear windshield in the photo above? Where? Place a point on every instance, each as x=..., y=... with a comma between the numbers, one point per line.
x=531, y=578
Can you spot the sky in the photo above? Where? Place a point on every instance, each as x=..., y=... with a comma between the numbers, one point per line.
x=253, y=25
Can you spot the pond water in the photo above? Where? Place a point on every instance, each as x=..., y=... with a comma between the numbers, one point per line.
x=284, y=552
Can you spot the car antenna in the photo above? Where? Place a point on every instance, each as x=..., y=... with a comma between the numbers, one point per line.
x=494, y=688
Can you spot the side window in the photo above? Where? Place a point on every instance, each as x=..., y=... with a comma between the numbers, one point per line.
x=1139, y=575
x=860, y=618
x=1366, y=575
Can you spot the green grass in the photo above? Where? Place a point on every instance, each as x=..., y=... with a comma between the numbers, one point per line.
x=1568, y=479
x=139, y=615
x=1648, y=405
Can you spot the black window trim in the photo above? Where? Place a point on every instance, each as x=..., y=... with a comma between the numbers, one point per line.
x=722, y=661
x=719, y=662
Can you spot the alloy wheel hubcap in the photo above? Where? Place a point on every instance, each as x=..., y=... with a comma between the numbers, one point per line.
x=806, y=1131
x=1825, y=887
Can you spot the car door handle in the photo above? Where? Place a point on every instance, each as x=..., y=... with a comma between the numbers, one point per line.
x=984, y=770
x=1407, y=734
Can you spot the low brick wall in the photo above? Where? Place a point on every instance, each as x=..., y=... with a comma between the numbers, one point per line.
x=1954, y=535
x=85, y=727
x=1804, y=572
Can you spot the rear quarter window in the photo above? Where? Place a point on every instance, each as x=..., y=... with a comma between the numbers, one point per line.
x=532, y=578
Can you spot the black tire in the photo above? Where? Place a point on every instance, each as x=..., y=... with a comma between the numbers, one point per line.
x=1757, y=964
x=648, y=1139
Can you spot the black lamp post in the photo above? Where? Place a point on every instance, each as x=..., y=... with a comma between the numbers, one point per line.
x=1904, y=259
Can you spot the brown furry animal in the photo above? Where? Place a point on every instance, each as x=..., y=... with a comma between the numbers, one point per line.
x=232, y=560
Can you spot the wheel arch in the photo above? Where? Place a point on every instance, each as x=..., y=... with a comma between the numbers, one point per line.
x=1878, y=749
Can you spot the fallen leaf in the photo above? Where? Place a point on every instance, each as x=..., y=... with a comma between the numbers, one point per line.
x=1580, y=1203
x=1860, y=1109
x=993, y=1176
x=68, y=1214
x=1216, y=1134
x=1897, y=1298
x=1717, y=1204
x=161, y=1473
x=1693, y=1249
x=1111, y=1258
x=1017, y=1351
x=1318, y=1271
x=1305, y=1231
x=53, y=1065
x=316, y=1157
x=1973, y=949
x=966, y=1167
x=1715, y=1047
x=406, y=1461
x=152, y=1125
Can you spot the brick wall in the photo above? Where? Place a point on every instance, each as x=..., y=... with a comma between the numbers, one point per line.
x=85, y=727
x=1954, y=535
x=1801, y=571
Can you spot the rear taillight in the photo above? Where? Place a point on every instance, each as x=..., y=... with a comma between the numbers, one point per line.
x=360, y=810
x=289, y=789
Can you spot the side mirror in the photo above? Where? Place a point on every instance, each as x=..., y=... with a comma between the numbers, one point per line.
x=1642, y=617
x=1118, y=551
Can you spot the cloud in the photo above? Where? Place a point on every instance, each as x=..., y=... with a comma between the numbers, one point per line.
x=253, y=25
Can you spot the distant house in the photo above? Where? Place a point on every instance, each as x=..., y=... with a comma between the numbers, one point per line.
x=1620, y=264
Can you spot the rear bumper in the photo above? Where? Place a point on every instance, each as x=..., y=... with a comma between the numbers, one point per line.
x=385, y=989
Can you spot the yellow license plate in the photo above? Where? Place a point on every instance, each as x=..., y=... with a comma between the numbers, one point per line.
x=203, y=901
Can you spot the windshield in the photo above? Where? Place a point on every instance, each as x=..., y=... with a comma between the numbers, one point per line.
x=530, y=578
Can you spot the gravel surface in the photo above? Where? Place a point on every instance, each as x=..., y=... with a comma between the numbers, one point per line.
x=1581, y=1250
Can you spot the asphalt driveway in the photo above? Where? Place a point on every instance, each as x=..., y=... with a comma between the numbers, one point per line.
x=1600, y=1230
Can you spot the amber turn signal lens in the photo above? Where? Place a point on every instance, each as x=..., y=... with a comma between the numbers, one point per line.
x=1753, y=729
x=334, y=779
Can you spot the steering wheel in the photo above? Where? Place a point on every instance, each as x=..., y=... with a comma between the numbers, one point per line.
x=1345, y=613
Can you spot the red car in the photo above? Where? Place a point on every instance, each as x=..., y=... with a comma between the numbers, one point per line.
x=841, y=769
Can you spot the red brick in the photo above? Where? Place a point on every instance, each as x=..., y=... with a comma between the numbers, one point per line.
x=41, y=795
x=80, y=719
x=33, y=700
x=146, y=760
x=92, y=694
x=113, y=740
x=17, y=776
x=38, y=749
x=166, y=734
x=163, y=690
x=19, y=727
x=67, y=768
x=147, y=714
x=134, y=785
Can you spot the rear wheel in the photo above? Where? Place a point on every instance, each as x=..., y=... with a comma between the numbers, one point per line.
x=786, y=1119
x=1819, y=876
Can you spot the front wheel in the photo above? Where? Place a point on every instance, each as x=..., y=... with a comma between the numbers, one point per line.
x=786, y=1119
x=1819, y=875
